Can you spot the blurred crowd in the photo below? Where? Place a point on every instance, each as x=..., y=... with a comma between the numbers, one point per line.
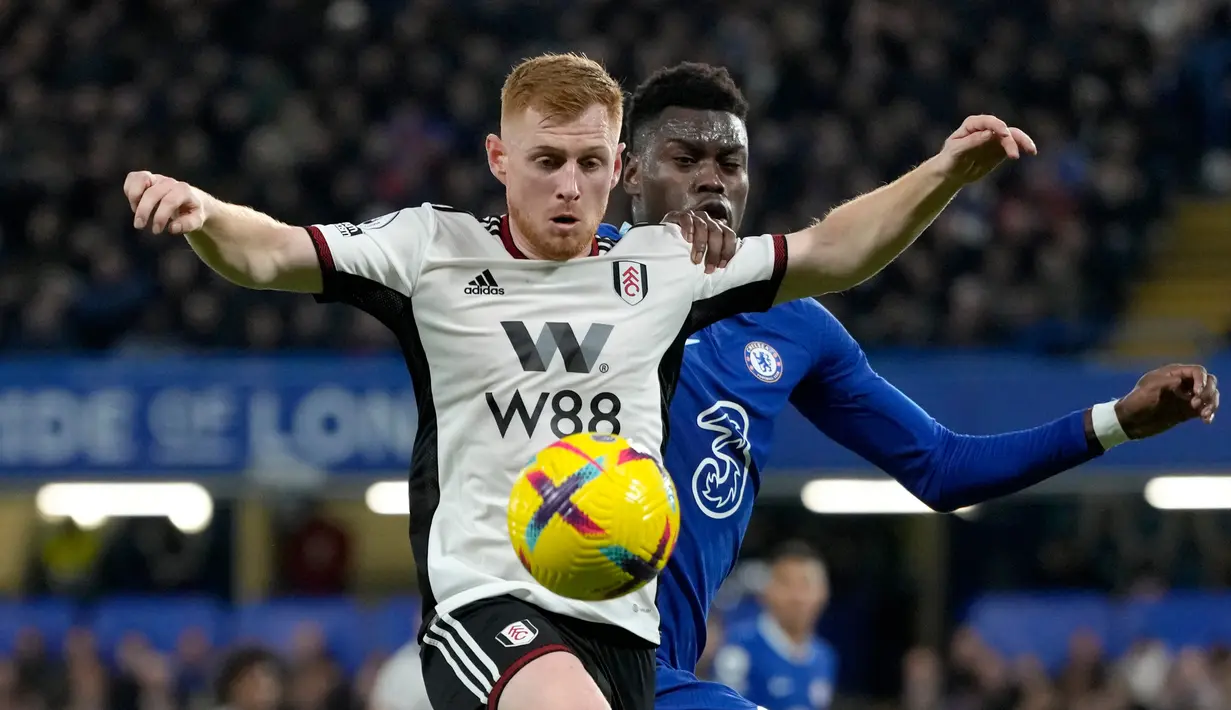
x=317, y=110
x=195, y=676
x=971, y=676
x=1148, y=677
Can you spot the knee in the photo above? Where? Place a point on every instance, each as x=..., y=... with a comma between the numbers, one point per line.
x=555, y=681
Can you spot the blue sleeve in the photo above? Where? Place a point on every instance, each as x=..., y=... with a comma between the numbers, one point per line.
x=847, y=401
x=608, y=231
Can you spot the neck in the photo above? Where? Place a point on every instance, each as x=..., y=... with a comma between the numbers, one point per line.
x=639, y=215
x=799, y=637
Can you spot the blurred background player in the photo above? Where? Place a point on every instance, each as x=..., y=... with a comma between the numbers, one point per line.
x=399, y=683
x=688, y=150
x=778, y=660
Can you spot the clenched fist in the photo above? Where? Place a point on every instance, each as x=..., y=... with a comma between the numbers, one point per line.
x=164, y=204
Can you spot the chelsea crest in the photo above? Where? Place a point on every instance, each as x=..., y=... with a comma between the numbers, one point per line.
x=763, y=361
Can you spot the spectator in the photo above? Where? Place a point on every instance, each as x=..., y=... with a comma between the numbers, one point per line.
x=250, y=679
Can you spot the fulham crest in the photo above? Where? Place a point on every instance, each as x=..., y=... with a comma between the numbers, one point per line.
x=518, y=633
x=631, y=281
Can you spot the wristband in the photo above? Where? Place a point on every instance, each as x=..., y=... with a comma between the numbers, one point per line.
x=1107, y=427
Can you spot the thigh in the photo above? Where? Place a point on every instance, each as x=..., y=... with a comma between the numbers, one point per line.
x=621, y=664
x=680, y=690
x=470, y=654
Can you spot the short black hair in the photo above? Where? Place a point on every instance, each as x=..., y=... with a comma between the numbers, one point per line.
x=236, y=664
x=692, y=85
x=795, y=550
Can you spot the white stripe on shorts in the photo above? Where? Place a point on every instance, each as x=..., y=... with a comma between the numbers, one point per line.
x=443, y=641
x=465, y=636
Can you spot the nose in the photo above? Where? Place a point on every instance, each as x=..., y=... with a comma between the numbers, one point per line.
x=569, y=187
x=709, y=178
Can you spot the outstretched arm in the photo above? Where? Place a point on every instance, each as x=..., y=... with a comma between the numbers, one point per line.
x=859, y=238
x=244, y=246
x=857, y=408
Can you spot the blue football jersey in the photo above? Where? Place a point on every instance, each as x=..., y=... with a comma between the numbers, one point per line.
x=738, y=375
x=761, y=664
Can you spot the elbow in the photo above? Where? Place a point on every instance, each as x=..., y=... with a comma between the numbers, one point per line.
x=941, y=504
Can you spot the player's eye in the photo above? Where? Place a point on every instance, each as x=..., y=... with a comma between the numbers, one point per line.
x=591, y=164
x=684, y=161
x=732, y=165
x=547, y=162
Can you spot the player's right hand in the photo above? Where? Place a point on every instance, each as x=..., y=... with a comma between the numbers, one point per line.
x=711, y=240
x=164, y=204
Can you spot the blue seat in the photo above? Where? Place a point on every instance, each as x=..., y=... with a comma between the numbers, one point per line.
x=1180, y=619
x=51, y=618
x=392, y=624
x=274, y=624
x=161, y=620
x=1041, y=625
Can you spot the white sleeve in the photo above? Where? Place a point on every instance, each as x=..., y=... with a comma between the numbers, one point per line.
x=749, y=283
x=387, y=251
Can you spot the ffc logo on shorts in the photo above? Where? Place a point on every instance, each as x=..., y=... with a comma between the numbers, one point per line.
x=518, y=633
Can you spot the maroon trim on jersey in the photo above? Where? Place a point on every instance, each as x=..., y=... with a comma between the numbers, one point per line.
x=493, y=698
x=321, y=245
x=506, y=238
x=780, y=258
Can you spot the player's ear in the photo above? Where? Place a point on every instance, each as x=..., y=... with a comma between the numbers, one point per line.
x=632, y=176
x=497, y=157
x=618, y=167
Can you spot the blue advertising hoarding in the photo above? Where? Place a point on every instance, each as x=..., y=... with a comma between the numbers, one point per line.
x=204, y=416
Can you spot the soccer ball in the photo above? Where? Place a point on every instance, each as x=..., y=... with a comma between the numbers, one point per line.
x=592, y=517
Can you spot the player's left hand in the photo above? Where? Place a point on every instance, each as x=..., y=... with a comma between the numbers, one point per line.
x=1168, y=396
x=711, y=240
x=979, y=145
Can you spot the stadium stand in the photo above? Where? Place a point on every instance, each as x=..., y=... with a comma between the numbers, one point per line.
x=390, y=107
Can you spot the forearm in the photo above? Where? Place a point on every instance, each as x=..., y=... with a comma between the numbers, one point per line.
x=860, y=237
x=249, y=248
x=966, y=470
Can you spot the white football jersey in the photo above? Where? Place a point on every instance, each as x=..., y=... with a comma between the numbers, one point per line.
x=508, y=354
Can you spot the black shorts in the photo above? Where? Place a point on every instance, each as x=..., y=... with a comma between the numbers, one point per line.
x=471, y=653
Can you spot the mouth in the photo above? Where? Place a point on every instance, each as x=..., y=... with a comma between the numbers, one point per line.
x=717, y=209
x=564, y=220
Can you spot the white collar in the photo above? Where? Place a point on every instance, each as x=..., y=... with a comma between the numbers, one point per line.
x=781, y=643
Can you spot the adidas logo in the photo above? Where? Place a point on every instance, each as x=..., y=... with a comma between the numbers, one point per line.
x=484, y=285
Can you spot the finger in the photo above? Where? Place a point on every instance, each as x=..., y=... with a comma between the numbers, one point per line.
x=681, y=220
x=1211, y=396
x=169, y=206
x=135, y=185
x=700, y=241
x=974, y=124
x=1024, y=141
x=186, y=223
x=1192, y=377
x=149, y=202
x=1010, y=147
x=714, y=237
x=729, y=243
